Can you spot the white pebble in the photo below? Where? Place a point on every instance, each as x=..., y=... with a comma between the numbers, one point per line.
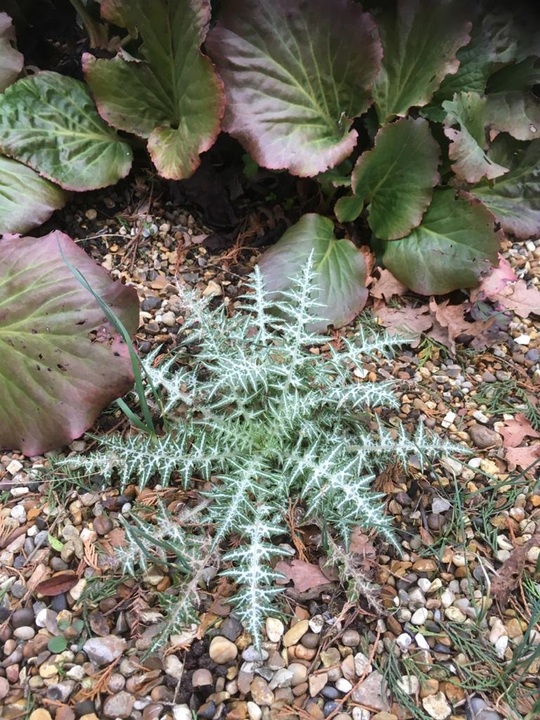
x=274, y=629
x=343, y=685
x=421, y=642
x=182, y=712
x=404, y=642
x=501, y=645
x=420, y=616
x=523, y=340
x=19, y=491
x=497, y=631
x=14, y=467
x=316, y=624
x=254, y=711
x=18, y=513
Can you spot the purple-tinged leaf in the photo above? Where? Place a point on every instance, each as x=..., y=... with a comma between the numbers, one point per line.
x=455, y=244
x=61, y=362
x=514, y=112
x=339, y=266
x=468, y=145
x=420, y=42
x=396, y=178
x=11, y=60
x=514, y=198
x=296, y=74
x=171, y=95
x=26, y=199
x=49, y=122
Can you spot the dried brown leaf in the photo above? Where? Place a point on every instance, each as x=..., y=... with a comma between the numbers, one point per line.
x=304, y=575
x=386, y=285
x=516, y=430
x=58, y=584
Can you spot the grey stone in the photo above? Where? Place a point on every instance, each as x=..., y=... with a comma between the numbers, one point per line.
x=104, y=650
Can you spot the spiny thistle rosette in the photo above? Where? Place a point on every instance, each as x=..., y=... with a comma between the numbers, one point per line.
x=250, y=410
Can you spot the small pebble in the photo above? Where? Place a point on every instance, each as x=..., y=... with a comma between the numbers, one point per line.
x=222, y=651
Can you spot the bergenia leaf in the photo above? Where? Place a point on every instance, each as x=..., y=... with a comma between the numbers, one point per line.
x=49, y=122
x=468, y=143
x=514, y=112
x=26, y=199
x=517, y=76
x=296, y=74
x=514, y=198
x=454, y=245
x=339, y=268
x=60, y=360
x=397, y=177
x=171, y=95
x=11, y=60
x=420, y=41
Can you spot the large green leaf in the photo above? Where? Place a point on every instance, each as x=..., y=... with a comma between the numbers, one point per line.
x=339, y=266
x=49, y=122
x=296, y=73
x=517, y=76
x=454, y=245
x=171, y=94
x=420, y=41
x=468, y=145
x=514, y=112
x=26, y=199
x=514, y=198
x=60, y=360
x=11, y=60
x=397, y=177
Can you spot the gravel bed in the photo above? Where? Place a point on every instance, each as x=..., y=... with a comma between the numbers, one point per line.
x=80, y=649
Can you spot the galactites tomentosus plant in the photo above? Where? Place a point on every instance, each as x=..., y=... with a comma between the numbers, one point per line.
x=263, y=422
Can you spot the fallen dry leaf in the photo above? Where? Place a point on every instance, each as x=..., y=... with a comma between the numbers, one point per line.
x=509, y=574
x=407, y=321
x=450, y=323
x=521, y=299
x=495, y=282
x=304, y=575
x=516, y=430
x=522, y=456
x=58, y=584
x=386, y=285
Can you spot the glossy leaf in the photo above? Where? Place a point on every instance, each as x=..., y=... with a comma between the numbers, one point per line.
x=339, y=266
x=468, y=144
x=397, y=177
x=11, y=60
x=49, y=122
x=171, y=94
x=420, y=41
x=454, y=245
x=514, y=198
x=60, y=360
x=26, y=199
x=495, y=41
x=296, y=74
